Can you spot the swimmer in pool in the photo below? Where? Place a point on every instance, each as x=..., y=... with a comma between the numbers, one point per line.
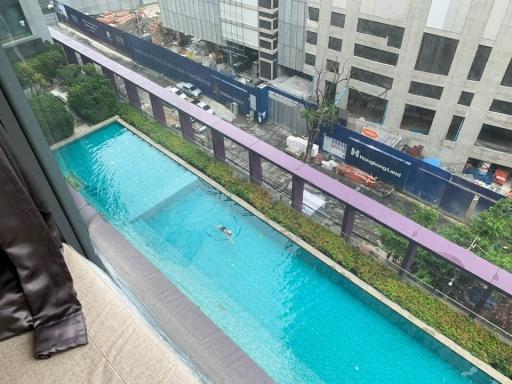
x=226, y=231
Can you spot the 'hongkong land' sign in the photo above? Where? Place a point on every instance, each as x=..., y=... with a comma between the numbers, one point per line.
x=382, y=165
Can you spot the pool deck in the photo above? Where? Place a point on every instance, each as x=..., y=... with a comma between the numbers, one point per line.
x=216, y=355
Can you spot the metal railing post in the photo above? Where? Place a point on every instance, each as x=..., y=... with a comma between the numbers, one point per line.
x=157, y=106
x=133, y=95
x=297, y=192
x=255, y=169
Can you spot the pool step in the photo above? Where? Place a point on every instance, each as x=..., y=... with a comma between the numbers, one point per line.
x=159, y=207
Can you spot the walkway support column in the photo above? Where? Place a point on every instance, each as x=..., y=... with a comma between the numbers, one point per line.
x=111, y=77
x=297, y=193
x=219, y=150
x=349, y=218
x=70, y=55
x=133, y=95
x=410, y=255
x=255, y=169
x=187, y=131
x=485, y=296
x=86, y=60
x=157, y=106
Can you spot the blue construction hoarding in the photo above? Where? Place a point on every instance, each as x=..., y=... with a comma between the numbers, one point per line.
x=425, y=181
x=386, y=167
x=214, y=84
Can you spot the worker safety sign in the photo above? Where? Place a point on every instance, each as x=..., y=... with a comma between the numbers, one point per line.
x=376, y=162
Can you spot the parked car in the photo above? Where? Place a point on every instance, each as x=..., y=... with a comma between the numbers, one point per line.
x=189, y=89
x=177, y=92
x=203, y=105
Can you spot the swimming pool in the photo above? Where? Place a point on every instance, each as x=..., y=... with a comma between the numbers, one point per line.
x=298, y=319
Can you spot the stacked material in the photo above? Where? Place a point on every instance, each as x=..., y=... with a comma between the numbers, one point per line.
x=298, y=145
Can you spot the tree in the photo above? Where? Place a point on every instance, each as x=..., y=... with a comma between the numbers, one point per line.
x=48, y=63
x=320, y=109
x=489, y=235
x=55, y=120
x=92, y=98
x=38, y=71
x=70, y=74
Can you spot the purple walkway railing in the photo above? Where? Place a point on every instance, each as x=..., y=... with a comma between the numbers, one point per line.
x=417, y=235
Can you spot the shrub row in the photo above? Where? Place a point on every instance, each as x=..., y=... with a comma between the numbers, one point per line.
x=55, y=120
x=461, y=329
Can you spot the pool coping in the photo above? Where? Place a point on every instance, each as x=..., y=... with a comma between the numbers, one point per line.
x=484, y=367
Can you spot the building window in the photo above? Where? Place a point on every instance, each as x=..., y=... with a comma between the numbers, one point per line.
x=10, y=26
x=507, y=78
x=417, y=119
x=330, y=90
x=265, y=4
x=265, y=69
x=267, y=15
x=275, y=23
x=274, y=44
x=333, y=66
x=335, y=44
x=454, y=129
x=371, y=108
x=501, y=106
x=393, y=34
x=268, y=56
x=371, y=78
x=479, y=62
x=466, y=98
x=311, y=37
x=314, y=13
x=265, y=24
x=427, y=90
x=310, y=59
x=374, y=54
x=270, y=36
x=436, y=54
x=265, y=44
x=496, y=138
x=337, y=20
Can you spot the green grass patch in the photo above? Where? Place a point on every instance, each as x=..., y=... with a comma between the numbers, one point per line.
x=458, y=327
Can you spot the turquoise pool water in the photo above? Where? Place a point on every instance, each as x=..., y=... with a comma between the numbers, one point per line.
x=298, y=319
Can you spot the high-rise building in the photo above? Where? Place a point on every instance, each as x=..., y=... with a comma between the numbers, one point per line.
x=244, y=29
x=22, y=28
x=436, y=72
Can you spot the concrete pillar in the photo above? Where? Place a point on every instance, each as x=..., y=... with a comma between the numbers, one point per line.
x=410, y=255
x=70, y=55
x=219, y=151
x=485, y=296
x=86, y=60
x=111, y=77
x=187, y=131
x=157, y=106
x=133, y=94
x=297, y=193
x=255, y=169
x=349, y=218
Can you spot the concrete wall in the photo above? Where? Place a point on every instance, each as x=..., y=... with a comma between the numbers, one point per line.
x=35, y=19
x=470, y=22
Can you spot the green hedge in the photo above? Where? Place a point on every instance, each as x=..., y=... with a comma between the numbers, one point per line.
x=92, y=98
x=458, y=327
x=56, y=121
